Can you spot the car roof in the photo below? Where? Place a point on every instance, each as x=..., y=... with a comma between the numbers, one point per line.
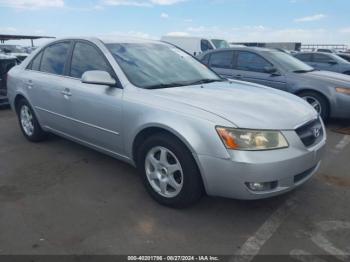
x=110, y=39
x=245, y=48
x=325, y=53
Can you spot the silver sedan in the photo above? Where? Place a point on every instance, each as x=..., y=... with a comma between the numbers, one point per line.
x=187, y=130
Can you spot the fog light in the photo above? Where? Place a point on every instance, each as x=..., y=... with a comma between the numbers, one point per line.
x=259, y=187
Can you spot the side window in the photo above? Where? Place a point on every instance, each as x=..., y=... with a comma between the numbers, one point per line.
x=54, y=58
x=205, y=45
x=221, y=59
x=321, y=58
x=35, y=64
x=248, y=61
x=304, y=57
x=86, y=58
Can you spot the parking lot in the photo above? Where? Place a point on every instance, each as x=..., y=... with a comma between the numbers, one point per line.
x=58, y=197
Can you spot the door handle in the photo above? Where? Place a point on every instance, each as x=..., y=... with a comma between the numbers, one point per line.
x=29, y=84
x=238, y=76
x=66, y=92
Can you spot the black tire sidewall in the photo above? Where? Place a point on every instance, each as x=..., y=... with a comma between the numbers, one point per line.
x=323, y=102
x=38, y=133
x=192, y=183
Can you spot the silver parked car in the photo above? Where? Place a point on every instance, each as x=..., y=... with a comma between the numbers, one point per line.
x=187, y=130
x=327, y=92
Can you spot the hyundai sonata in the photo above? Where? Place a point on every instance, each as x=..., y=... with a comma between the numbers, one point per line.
x=187, y=130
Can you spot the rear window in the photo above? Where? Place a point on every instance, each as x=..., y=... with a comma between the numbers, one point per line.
x=54, y=58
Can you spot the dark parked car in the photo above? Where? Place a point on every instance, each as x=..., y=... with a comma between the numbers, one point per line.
x=6, y=63
x=327, y=92
x=325, y=61
x=15, y=50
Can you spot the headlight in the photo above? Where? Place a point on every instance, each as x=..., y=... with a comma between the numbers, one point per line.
x=253, y=140
x=343, y=90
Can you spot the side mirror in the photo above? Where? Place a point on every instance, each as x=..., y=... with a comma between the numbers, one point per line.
x=270, y=70
x=98, y=78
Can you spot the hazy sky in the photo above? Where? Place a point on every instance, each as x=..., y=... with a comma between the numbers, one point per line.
x=308, y=21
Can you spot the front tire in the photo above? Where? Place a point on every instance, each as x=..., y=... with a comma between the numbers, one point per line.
x=29, y=123
x=169, y=171
x=318, y=102
x=347, y=73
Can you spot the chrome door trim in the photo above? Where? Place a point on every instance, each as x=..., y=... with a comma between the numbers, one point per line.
x=110, y=152
x=78, y=121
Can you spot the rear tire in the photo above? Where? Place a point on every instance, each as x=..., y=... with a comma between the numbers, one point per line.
x=28, y=122
x=169, y=171
x=318, y=102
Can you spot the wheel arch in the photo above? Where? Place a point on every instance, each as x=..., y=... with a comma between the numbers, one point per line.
x=17, y=99
x=303, y=90
x=151, y=130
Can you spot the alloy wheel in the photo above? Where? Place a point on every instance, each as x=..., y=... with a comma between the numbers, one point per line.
x=164, y=172
x=314, y=103
x=27, y=120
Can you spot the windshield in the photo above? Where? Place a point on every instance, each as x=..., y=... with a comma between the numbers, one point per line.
x=152, y=65
x=290, y=63
x=220, y=43
x=339, y=59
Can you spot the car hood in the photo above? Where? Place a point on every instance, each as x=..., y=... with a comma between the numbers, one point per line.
x=330, y=77
x=243, y=104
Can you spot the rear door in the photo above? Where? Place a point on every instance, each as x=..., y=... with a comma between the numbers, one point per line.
x=251, y=67
x=97, y=109
x=48, y=89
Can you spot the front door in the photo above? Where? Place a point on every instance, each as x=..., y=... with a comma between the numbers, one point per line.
x=324, y=62
x=252, y=67
x=96, y=109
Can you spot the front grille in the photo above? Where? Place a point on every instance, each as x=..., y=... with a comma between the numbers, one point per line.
x=311, y=133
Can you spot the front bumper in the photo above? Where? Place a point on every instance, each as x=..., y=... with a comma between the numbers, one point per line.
x=287, y=168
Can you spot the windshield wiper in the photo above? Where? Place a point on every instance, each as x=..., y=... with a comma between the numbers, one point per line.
x=177, y=84
x=160, y=86
x=205, y=81
x=304, y=71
